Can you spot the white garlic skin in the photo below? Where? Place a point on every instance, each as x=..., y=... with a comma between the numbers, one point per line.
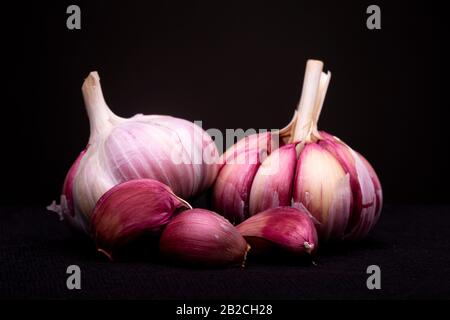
x=141, y=148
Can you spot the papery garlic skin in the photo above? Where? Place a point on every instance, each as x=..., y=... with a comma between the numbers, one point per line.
x=335, y=183
x=137, y=150
x=290, y=229
x=272, y=185
x=173, y=151
x=339, y=187
x=240, y=163
x=66, y=209
x=323, y=187
x=367, y=196
x=203, y=238
x=131, y=209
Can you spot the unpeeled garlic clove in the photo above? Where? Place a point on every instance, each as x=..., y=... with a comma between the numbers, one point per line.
x=259, y=143
x=288, y=228
x=231, y=193
x=131, y=209
x=234, y=185
x=272, y=185
x=377, y=187
x=365, y=186
x=323, y=187
x=202, y=237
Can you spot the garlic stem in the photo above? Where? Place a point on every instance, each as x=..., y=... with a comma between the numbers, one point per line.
x=323, y=87
x=100, y=116
x=307, y=104
x=285, y=133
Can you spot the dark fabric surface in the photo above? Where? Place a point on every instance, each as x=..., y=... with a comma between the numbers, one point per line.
x=410, y=244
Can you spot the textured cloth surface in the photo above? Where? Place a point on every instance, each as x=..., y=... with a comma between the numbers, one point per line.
x=410, y=244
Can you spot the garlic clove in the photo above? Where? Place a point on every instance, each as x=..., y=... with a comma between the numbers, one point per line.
x=323, y=187
x=272, y=185
x=377, y=186
x=261, y=143
x=68, y=183
x=231, y=191
x=285, y=227
x=90, y=183
x=364, y=218
x=339, y=211
x=131, y=209
x=230, y=195
x=366, y=189
x=202, y=237
x=336, y=184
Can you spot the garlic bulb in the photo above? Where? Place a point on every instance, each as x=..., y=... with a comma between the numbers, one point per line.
x=299, y=165
x=173, y=151
x=131, y=209
x=202, y=237
x=290, y=229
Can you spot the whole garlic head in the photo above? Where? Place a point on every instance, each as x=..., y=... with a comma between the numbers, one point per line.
x=301, y=167
x=173, y=151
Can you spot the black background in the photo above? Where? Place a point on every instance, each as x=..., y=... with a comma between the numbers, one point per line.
x=231, y=65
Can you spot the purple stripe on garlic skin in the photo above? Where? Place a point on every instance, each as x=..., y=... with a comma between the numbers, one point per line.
x=68, y=183
x=377, y=186
x=231, y=191
x=129, y=155
x=285, y=227
x=203, y=238
x=66, y=208
x=272, y=185
x=131, y=209
x=369, y=202
x=342, y=154
x=365, y=185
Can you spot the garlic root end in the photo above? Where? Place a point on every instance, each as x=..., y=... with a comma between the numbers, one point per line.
x=106, y=253
x=245, y=255
x=57, y=209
